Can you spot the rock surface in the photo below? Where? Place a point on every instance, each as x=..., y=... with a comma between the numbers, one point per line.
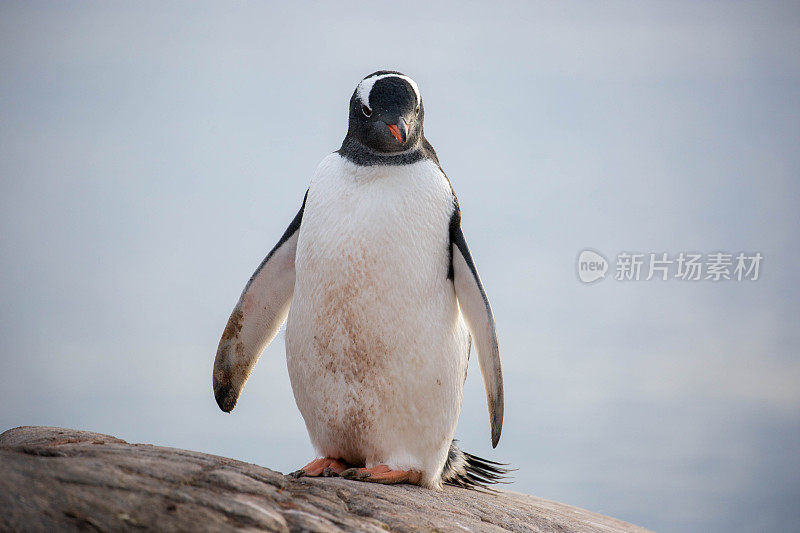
x=64, y=479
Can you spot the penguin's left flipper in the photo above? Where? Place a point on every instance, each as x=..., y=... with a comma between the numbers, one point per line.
x=477, y=312
x=257, y=317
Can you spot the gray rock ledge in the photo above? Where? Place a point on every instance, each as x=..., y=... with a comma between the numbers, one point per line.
x=55, y=479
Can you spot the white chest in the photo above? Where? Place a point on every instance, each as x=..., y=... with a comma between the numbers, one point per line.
x=374, y=334
x=365, y=226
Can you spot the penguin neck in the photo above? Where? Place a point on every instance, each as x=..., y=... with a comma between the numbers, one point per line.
x=360, y=154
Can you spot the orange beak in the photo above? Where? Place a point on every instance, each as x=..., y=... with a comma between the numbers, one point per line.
x=399, y=132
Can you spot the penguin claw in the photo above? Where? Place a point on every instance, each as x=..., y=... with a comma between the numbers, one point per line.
x=355, y=473
x=382, y=474
x=325, y=467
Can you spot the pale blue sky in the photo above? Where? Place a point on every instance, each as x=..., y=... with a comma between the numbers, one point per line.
x=151, y=154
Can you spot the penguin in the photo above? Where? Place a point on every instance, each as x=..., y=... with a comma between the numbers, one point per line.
x=382, y=303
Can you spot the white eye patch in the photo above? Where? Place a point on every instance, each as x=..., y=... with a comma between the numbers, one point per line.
x=365, y=87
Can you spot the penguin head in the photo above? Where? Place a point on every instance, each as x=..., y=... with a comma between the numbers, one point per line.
x=386, y=112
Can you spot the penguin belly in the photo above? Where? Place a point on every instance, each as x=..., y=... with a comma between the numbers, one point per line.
x=376, y=347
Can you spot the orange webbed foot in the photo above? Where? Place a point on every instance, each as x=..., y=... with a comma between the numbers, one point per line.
x=325, y=466
x=382, y=474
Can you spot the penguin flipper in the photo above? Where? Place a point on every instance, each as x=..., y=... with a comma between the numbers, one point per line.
x=257, y=317
x=477, y=312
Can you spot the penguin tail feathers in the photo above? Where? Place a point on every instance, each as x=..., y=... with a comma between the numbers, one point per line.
x=469, y=471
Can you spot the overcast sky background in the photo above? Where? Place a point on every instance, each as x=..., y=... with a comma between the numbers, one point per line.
x=151, y=154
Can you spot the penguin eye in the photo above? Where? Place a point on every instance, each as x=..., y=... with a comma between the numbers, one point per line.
x=417, y=110
x=367, y=111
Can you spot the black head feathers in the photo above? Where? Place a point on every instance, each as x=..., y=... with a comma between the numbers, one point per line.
x=386, y=115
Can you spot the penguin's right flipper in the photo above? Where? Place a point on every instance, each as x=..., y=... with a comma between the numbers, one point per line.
x=474, y=306
x=257, y=317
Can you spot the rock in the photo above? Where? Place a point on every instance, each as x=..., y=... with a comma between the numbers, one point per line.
x=65, y=479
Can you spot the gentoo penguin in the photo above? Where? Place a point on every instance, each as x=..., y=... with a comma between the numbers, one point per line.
x=383, y=303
